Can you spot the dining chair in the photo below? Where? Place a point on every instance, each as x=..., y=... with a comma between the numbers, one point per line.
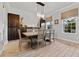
x=47, y=37
x=22, y=40
x=40, y=37
x=54, y=35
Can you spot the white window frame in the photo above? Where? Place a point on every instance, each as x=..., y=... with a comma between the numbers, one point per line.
x=68, y=32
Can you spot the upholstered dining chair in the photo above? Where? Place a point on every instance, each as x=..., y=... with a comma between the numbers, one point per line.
x=22, y=40
x=40, y=37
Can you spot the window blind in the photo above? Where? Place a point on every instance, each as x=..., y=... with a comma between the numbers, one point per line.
x=70, y=13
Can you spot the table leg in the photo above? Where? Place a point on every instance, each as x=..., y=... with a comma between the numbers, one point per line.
x=31, y=42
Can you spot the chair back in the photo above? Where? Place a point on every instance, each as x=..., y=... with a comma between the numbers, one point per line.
x=19, y=33
x=40, y=34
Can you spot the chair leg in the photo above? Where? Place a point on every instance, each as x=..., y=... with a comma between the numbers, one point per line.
x=37, y=44
x=45, y=43
x=20, y=45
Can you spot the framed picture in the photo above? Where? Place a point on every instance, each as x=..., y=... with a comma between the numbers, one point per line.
x=56, y=21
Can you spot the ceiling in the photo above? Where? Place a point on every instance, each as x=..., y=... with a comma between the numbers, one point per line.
x=32, y=7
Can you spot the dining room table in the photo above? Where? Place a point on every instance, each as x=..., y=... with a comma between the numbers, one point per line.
x=31, y=35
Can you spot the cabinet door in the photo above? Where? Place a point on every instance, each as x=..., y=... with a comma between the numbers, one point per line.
x=13, y=20
x=13, y=24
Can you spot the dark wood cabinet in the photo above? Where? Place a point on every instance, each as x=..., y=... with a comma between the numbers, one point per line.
x=13, y=25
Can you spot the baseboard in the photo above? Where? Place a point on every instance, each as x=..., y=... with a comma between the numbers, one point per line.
x=68, y=42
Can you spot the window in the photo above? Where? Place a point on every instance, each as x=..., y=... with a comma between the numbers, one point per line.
x=70, y=25
x=48, y=25
x=69, y=20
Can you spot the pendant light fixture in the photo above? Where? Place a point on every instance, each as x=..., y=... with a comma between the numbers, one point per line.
x=40, y=9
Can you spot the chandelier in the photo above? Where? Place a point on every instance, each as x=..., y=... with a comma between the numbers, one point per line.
x=40, y=9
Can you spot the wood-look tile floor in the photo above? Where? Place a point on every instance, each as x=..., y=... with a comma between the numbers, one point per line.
x=12, y=48
x=55, y=49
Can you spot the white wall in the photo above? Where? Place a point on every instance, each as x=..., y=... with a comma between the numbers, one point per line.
x=74, y=37
x=29, y=19
x=3, y=27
